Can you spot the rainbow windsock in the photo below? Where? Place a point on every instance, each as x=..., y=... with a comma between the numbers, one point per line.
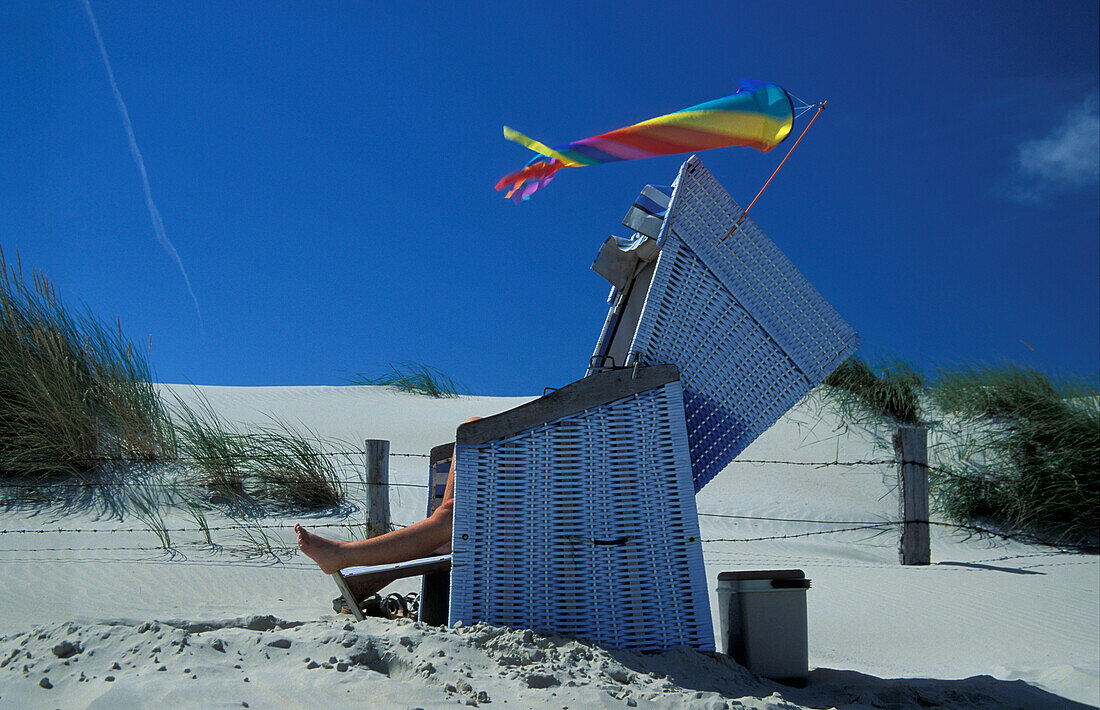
x=759, y=115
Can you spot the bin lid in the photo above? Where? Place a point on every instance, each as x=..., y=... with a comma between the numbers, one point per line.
x=762, y=574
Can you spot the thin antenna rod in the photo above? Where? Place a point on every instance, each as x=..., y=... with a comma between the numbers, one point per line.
x=737, y=224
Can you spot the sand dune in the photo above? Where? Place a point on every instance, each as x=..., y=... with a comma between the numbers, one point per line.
x=264, y=661
x=110, y=619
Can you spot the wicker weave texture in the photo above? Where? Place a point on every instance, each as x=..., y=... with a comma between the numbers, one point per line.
x=586, y=526
x=760, y=276
x=748, y=332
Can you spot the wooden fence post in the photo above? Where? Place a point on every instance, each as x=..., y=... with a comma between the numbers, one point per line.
x=378, y=491
x=911, y=451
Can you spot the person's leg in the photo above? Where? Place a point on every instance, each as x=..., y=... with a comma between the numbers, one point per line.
x=419, y=540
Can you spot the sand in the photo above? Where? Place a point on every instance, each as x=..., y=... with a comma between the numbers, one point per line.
x=112, y=620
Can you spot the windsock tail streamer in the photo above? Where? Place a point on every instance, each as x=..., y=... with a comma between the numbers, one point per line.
x=759, y=115
x=522, y=183
x=540, y=171
x=540, y=148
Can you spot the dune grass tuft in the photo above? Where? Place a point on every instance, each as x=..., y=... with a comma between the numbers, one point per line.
x=74, y=392
x=415, y=378
x=272, y=463
x=891, y=389
x=214, y=451
x=289, y=468
x=77, y=397
x=1020, y=451
x=1031, y=457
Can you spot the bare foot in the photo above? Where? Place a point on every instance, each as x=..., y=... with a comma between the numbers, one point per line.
x=326, y=553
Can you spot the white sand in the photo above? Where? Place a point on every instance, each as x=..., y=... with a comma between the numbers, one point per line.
x=989, y=624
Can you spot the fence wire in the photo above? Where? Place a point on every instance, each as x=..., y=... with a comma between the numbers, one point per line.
x=876, y=526
x=175, y=486
x=851, y=526
x=198, y=459
x=848, y=526
x=275, y=457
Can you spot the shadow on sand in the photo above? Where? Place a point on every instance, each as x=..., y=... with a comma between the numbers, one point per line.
x=976, y=565
x=828, y=688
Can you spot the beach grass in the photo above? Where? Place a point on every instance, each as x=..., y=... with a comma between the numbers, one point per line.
x=1030, y=459
x=273, y=463
x=74, y=393
x=77, y=398
x=214, y=451
x=415, y=378
x=1014, y=449
x=889, y=389
x=289, y=467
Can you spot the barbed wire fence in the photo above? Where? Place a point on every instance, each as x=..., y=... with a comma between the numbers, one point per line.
x=259, y=540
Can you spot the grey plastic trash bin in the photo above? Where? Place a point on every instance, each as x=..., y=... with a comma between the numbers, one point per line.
x=762, y=622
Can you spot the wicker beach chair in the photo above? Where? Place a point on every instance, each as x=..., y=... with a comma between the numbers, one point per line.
x=750, y=335
x=575, y=513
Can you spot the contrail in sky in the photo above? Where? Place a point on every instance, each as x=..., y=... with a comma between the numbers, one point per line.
x=154, y=213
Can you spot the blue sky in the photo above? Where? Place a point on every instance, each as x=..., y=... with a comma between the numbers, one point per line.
x=324, y=172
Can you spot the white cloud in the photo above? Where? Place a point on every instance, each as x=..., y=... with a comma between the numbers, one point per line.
x=1067, y=158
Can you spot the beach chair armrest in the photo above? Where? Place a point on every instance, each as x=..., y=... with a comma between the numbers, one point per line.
x=592, y=391
x=378, y=576
x=411, y=568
